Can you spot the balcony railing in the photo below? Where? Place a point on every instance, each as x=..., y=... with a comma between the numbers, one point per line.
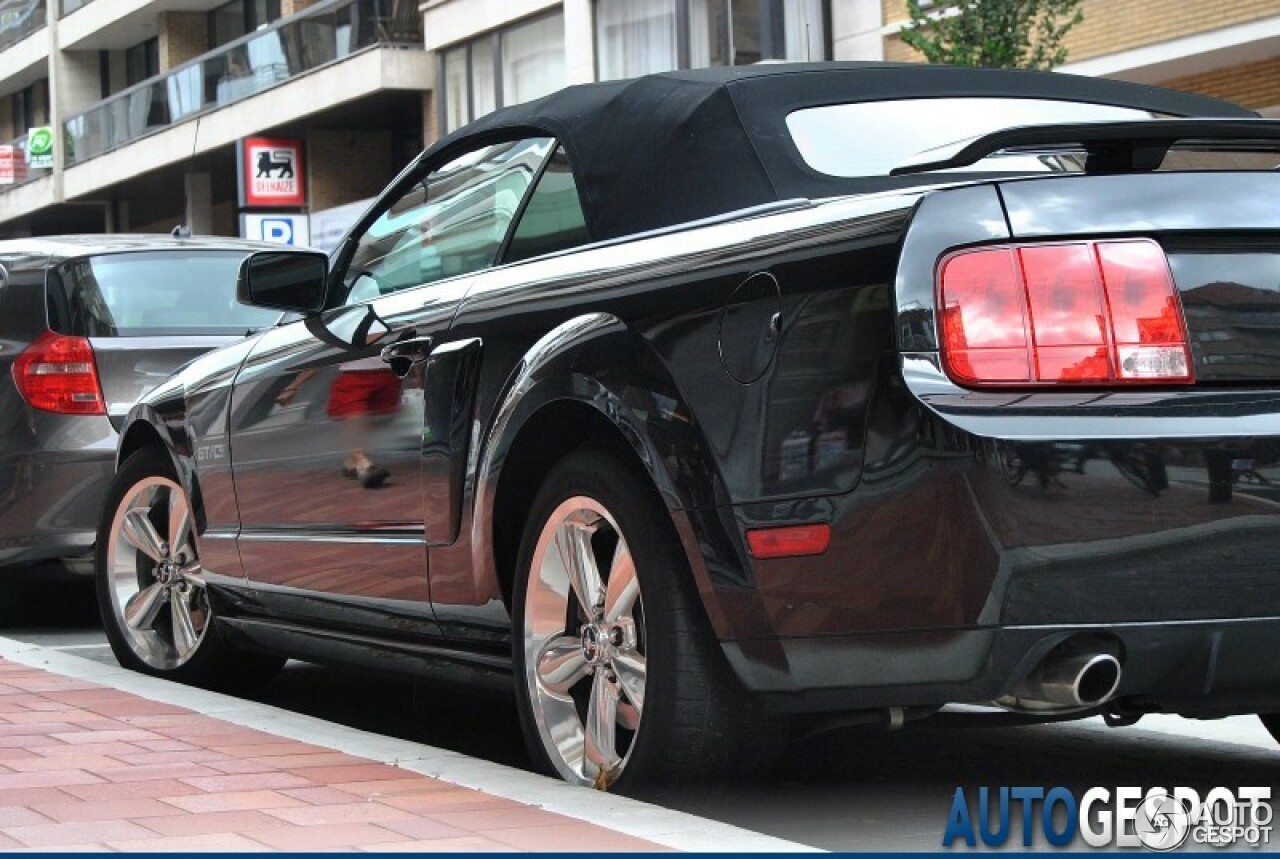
x=22, y=174
x=323, y=34
x=19, y=19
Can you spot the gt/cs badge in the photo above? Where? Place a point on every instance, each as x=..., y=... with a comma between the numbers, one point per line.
x=210, y=452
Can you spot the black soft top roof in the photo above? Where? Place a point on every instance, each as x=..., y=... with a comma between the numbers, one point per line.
x=668, y=148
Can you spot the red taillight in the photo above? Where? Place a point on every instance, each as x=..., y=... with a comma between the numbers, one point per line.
x=1090, y=313
x=789, y=541
x=57, y=373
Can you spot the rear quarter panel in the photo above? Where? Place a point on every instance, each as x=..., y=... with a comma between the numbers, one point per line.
x=1134, y=505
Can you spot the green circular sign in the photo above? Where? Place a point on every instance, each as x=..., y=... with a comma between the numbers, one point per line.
x=40, y=141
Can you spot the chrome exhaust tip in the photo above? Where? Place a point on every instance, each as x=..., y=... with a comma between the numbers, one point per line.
x=1077, y=682
x=1086, y=680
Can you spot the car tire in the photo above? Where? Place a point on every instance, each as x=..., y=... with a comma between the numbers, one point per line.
x=628, y=687
x=155, y=606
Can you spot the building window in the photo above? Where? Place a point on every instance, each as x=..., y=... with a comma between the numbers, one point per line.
x=484, y=87
x=532, y=59
x=456, y=92
x=23, y=110
x=30, y=106
x=232, y=20
x=804, y=31
x=142, y=61
x=637, y=37
x=505, y=67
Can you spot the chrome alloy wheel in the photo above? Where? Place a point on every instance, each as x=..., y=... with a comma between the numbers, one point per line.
x=584, y=643
x=155, y=581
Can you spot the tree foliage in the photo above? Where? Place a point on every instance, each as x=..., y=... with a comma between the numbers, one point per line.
x=1006, y=34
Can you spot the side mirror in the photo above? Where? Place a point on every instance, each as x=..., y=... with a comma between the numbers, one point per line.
x=284, y=280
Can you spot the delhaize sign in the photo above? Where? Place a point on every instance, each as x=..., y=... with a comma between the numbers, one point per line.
x=40, y=146
x=271, y=174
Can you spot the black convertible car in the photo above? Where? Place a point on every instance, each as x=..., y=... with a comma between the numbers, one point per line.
x=694, y=402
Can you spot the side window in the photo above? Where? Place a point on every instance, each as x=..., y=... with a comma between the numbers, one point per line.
x=553, y=219
x=451, y=223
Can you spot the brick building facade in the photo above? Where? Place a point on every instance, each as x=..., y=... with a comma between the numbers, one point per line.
x=1228, y=50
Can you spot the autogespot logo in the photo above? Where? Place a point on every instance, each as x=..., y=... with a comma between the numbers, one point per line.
x=1158, y=819
x=1162, y=822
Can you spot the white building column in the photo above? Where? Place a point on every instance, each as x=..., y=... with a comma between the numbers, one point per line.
x=579, y=42
x=856, y=30
x=74, y=85
x=55, y=99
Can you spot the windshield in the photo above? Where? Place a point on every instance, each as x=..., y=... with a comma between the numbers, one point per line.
x=151, y=293
x=871, y=138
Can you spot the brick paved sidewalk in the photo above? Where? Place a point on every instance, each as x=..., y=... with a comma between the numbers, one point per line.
x=86, y=767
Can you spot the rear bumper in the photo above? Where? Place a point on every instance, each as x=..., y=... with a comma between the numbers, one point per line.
x=50, y=503
x=1200, y=668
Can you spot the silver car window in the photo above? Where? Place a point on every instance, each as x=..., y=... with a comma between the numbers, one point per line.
x=151, y=293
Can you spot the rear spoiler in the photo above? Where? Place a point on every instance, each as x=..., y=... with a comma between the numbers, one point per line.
x=1111, y=146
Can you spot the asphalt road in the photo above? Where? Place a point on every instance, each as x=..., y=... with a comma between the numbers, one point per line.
x=851, y=789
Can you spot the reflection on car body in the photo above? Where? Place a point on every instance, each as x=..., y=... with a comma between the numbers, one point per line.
x=717, y=420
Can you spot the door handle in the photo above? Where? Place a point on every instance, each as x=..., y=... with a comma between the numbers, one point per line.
x=407, y=354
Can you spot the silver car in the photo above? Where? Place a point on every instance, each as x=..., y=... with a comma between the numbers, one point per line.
x=87, y=325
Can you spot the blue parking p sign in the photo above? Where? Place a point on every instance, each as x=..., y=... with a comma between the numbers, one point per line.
x=281, y=228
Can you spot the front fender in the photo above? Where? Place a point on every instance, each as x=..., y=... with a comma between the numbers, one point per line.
x=187, y=416
x=150, y=426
